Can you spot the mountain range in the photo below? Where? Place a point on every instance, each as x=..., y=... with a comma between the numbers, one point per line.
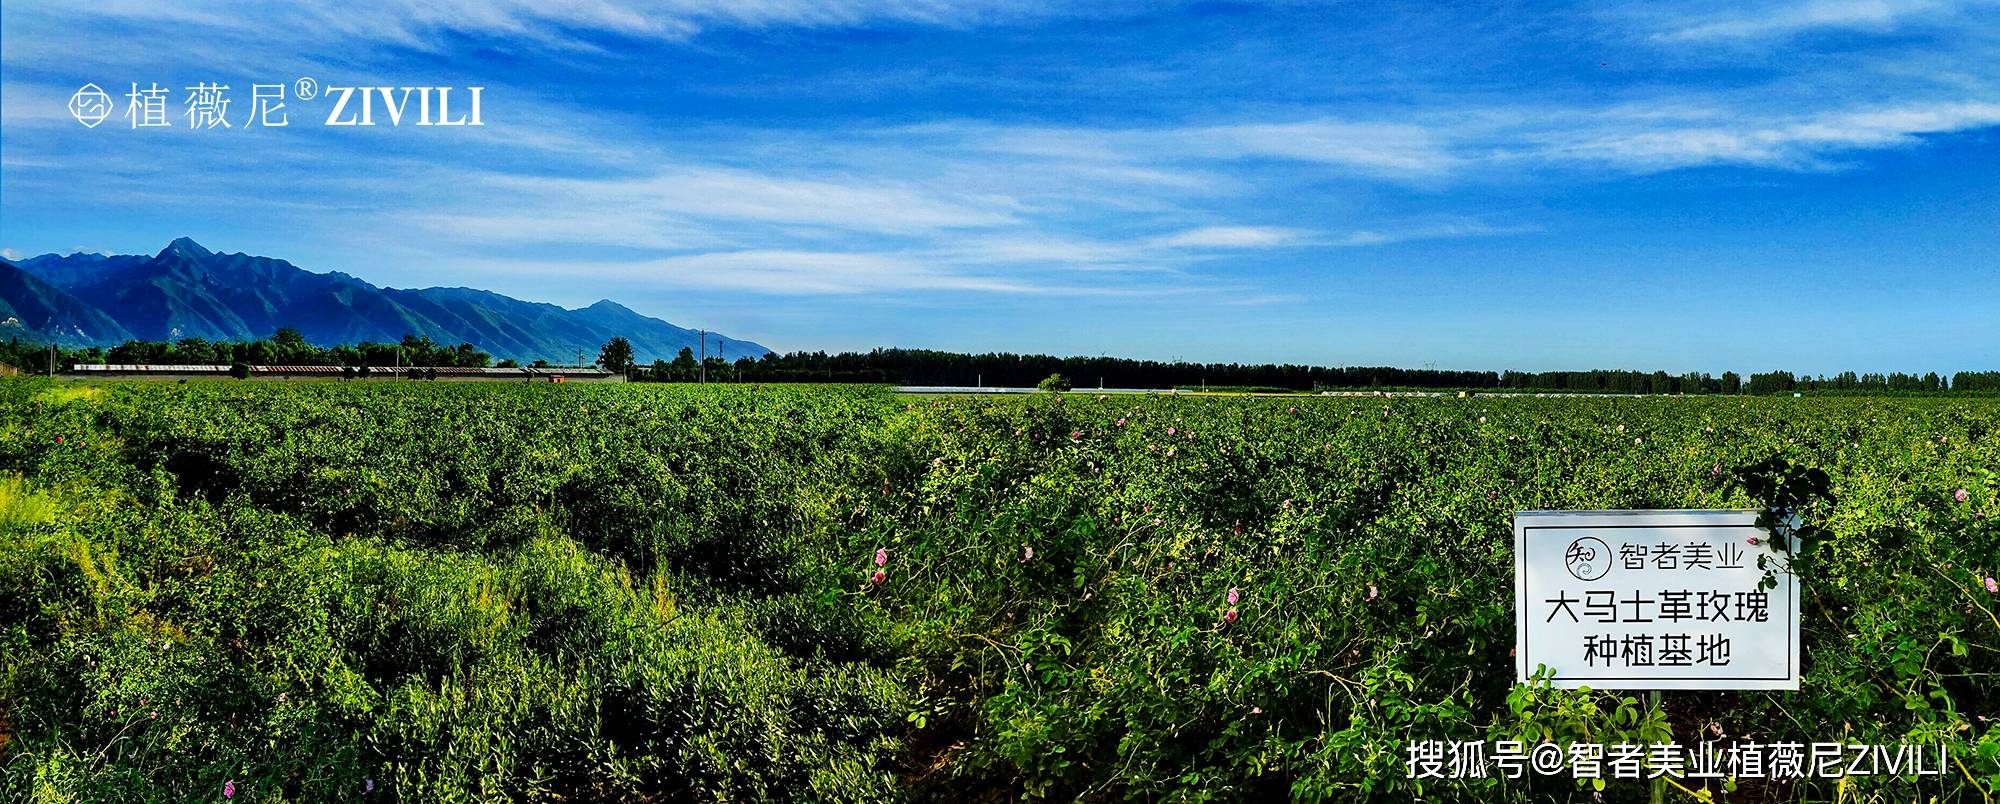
x=187, y=291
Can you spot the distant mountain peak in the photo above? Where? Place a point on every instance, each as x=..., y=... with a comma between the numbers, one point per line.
x=186, y=247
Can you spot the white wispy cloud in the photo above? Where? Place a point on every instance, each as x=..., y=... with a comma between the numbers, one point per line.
x=421, y=24
x=1233, y=237
x=663, y=208
x=804, y=272
x=1017, y=248
x=1437, y=230
x=1387, y=149
x=1187, y=157
x=1783, y=19
x=1788, y=143
x=807, y=273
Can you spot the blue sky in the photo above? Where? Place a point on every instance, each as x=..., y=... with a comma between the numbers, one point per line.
x=1713, y=186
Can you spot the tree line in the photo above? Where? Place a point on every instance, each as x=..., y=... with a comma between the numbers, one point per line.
x=999, y=369
x=286, y=347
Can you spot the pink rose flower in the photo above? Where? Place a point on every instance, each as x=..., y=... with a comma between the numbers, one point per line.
x=1233, y=596
x=1961, y=495
x=881, y=556
x=878, y=577
x=229, y=789
x=1229, y=616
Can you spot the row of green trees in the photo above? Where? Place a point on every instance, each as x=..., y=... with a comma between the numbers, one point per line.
x=931, y=367
x=928, y=367
x=1784, y=381
x=286, y=347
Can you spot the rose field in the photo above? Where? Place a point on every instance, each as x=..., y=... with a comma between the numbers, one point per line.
x=326, y=591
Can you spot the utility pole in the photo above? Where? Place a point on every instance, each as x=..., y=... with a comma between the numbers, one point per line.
x=704, y=356
x=52, y=360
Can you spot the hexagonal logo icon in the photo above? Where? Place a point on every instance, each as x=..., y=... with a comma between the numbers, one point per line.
x=90, y=105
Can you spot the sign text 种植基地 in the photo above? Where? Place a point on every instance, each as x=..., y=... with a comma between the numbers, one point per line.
x=1653, y=600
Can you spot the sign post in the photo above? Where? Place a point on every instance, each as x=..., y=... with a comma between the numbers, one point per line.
x=1652, y=600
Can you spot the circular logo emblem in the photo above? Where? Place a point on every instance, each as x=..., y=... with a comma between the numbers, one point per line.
x=1588, y=558
x=90, y=105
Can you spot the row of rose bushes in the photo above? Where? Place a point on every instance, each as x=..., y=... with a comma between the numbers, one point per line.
x=321, y=591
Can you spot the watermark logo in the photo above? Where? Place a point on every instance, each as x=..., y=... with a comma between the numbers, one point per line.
x=90, y=105
x=208, y=105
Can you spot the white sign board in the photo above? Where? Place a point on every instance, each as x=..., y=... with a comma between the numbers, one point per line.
x=1661, y=600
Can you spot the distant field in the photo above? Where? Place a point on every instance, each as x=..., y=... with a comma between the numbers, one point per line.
x=674, y=592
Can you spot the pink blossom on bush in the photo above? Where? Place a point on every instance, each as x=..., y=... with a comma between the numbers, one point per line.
x=878, y=577
x=1229, y=616
x=1992, y=586
x=1233, y=596
x=1961, y=495
x=229, y=789
x=881, y=556
x=1027, y=553
x=1371, y=592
